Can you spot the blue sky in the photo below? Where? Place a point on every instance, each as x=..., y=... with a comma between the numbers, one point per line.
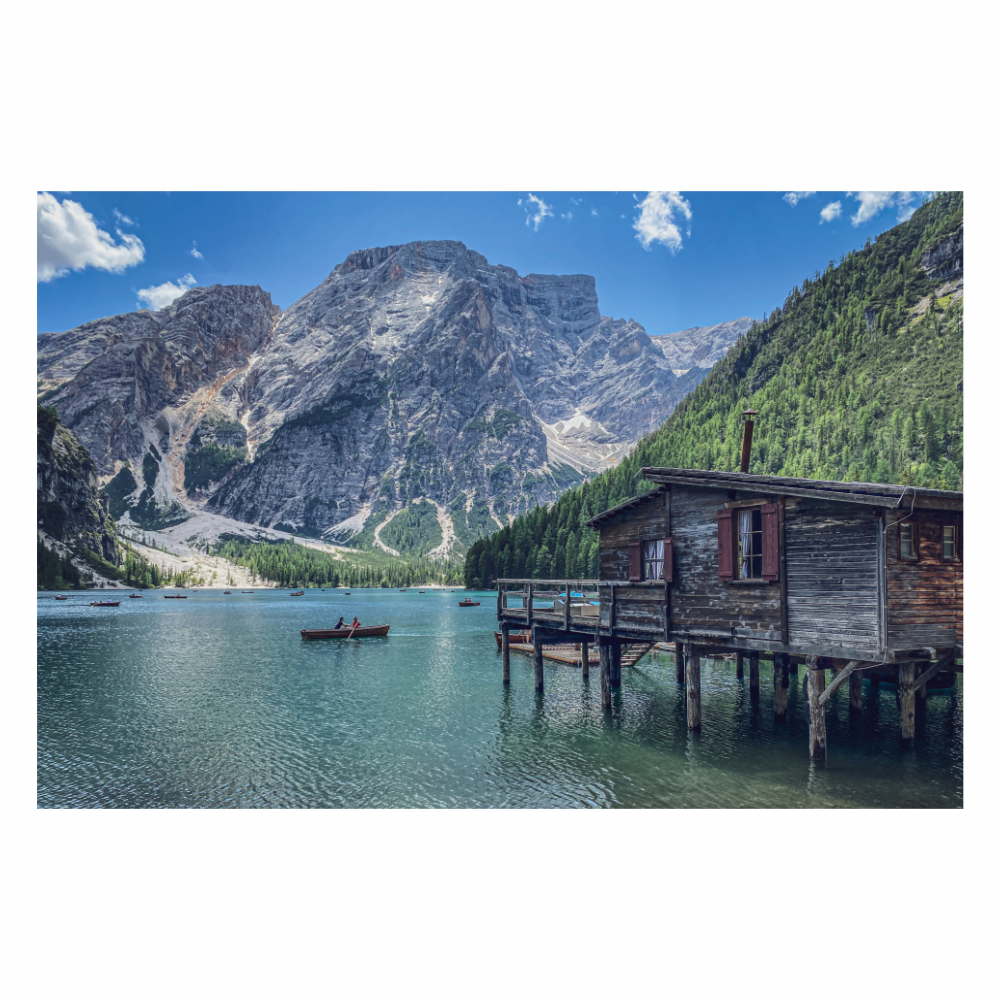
x=669, y=260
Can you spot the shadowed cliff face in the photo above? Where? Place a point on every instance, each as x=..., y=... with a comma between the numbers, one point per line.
x=411, y=371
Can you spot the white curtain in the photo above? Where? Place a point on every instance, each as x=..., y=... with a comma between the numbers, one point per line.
x=746, y=542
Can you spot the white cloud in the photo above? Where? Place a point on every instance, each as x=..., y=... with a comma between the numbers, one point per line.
x=160, y=296
x=69, y=240
x=124, y=220
x=655, y=223
x=908, y=202
x=794, y=197
x=567, y=216
x=542, y=210
x=870, y=203
x=593, y=211
x=194, y=251
x=831, y=212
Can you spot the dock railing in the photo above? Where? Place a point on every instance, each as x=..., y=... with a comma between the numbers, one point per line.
x=555, y=602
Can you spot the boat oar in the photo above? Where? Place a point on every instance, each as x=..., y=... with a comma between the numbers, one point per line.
x=352, y=631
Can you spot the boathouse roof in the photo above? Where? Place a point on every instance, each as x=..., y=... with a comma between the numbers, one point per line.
x=870, y=494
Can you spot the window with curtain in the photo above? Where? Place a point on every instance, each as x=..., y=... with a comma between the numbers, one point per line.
x=652, y=560
x=751, y=543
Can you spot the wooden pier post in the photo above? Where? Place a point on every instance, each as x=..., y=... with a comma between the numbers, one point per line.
x=780, y=686
x=505, y=650
x=679, y=661
x=755, y=676
x=907, y=672
x=857, y=683
x=793, y=667
x=539, y=675
x=815, y=683
x=692, y=685
x=739, y=665
x=921, y=692
x=616, y=665
x=585, y=658
x=605, y=654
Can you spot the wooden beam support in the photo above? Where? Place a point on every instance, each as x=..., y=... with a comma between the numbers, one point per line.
x=692, y=685
x=505, y=650
x=754, y=676
x=781, y=687
x=605, y=652
x=815, y=682
x=739, y=665
x=907, y=713
x=841, y=677
x=616, y=665
x=585, y=659
x=943, y=664
x=679, y=661
x=539, y=675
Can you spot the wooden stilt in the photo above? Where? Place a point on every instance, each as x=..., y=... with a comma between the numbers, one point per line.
x=754, y=676
x=679, y=661
x=505, y=650
x=739, y=666
x=605, y=653
x=907, y=673
x=616, y=665
x=815, y=682
x=857, y=683
x=692, y=680
x=780, y=686
x=921, y=692
x=585, y=658
x=539, y=676
x=793, y=667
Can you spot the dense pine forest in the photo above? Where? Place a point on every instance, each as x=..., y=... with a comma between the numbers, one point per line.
x=857, y=377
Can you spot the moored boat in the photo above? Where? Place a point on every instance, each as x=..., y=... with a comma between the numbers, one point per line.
x=516, y=638
x=104, y=604
x=361, y=632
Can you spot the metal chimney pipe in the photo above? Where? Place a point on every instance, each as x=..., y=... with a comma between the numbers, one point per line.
x=747, y=439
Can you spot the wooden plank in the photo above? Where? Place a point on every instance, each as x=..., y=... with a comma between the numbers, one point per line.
x=842, y=676
x=942, y=664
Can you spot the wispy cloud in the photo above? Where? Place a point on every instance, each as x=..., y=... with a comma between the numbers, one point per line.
x=160, y=296
x=124, y=220
x=907, y=202
x=794, y=197
x=537, y=213
x=593, y=211
x=195, y=252
x=69, y=240
x=656, y=222
x=870, y=203
x=567, y=216
x=831, y=212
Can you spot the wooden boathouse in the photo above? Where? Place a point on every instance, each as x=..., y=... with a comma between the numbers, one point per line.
x=854, y=578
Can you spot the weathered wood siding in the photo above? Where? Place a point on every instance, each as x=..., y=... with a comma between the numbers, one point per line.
x=831, y=558
x=649, y=520
x=699, y=600
x=924, y=598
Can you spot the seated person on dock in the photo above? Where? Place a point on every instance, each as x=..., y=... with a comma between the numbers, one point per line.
x=340, y=624
x=355, y=623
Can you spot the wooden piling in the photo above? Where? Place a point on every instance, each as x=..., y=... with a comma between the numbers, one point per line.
x=781, y=686
x=739, y=665
x=679, y=661
x=505, y=650
x=815, y=682
x=616, y=665
x=585, y=661
x=907, y=724
x=793, y=667
x=539, y=676
x=605, y=655
x=857, y=684
x=755, y=676
x=921, y=692
x=692, y=685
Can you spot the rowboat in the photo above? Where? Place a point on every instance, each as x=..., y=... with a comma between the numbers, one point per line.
x=175, y=597
x=227, y=591
x=468, y=603
x=60, y=597
x=246, y=591
x=297, y=593
x=515, y=637
x=104, y=604
x=361, y=632
x=134, y=595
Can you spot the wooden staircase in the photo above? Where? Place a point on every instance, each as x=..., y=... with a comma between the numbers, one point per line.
x=633, y=653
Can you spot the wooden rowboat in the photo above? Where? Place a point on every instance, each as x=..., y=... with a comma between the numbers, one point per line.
x=134, y=595
x=175, y=597
x=104, y=604
x=61, y=598
x=297, y=593
x=515, y=638
x=468, y=604
x=361, y=632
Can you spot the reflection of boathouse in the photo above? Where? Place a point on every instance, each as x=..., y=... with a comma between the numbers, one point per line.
x=856, y=578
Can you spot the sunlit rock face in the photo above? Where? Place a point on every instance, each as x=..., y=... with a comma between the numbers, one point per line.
x=411, y=371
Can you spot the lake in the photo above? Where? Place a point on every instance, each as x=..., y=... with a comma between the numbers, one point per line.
x=216, y=702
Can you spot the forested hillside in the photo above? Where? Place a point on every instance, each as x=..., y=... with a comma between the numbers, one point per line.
x=857, y=377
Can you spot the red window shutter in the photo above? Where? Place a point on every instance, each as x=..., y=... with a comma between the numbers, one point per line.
x=725, y=544
x=769, y=524
x=635, y=560
x=668, y=560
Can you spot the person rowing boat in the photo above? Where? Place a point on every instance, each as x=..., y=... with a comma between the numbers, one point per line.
x=355, y=623
x=340, y=624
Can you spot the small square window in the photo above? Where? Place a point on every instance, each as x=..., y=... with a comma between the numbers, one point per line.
x=907, y=546
x=948, y=543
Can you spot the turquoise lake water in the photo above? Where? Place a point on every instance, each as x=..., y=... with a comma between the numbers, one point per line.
x=216, y=702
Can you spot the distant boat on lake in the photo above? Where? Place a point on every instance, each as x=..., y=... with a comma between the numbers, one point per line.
x=297, y=593
x=468, y=603
x=135, y=595
x=361, y=632
x=61, y=597
x=104, y=604
x=175, y=597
